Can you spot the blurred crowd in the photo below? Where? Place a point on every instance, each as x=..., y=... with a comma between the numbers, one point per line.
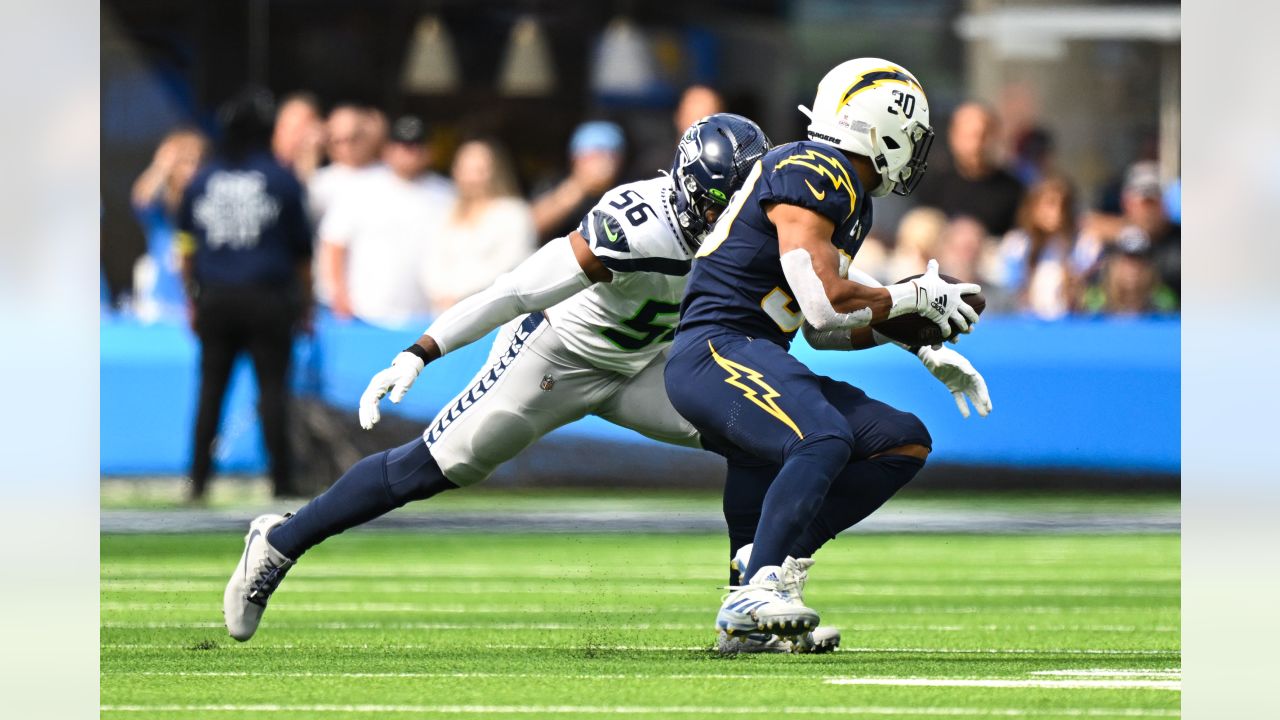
x=1019, y=227
x=399, y=236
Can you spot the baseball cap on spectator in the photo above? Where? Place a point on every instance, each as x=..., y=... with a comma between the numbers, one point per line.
x=597, y=135
x=1143, y=179
x=409, y=130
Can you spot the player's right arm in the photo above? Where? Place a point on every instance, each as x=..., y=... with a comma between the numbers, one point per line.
x=559, y=270
x=811, y=265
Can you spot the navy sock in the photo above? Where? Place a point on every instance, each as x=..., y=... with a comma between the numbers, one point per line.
x=794, y=498
x=372, y=487
x=745, y=486
x=859, y=490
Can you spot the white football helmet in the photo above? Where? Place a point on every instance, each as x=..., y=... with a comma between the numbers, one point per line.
x=875, y=108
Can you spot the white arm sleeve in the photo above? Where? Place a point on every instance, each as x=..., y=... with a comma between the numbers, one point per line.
x=545, y=278
x=839, y=338
x=797, y=266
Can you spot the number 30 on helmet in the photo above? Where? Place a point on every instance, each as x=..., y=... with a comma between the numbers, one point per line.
x=875, y=108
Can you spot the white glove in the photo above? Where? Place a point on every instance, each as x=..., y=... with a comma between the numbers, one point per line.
x=960, y=377
x=936, y=299
x=396, y=379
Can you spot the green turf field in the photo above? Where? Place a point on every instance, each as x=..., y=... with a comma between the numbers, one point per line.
x=380, y=624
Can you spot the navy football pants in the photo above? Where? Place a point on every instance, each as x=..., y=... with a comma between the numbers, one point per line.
x=759, y=406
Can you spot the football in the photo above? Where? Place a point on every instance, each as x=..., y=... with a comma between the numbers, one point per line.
x=915, y=330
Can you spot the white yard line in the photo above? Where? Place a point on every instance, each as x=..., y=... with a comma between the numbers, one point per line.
x=285, y=605
x=208, y=624
x=468, y=586
x=667, y=648
x=695, y=571
x=1013, y=683
x=644, y=710
x=203, y=624
x=1158, y=684
x=374, y=625
x=1107, y=672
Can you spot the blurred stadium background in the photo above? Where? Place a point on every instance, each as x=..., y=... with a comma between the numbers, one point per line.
x=1079, y=101
x=1086, y=382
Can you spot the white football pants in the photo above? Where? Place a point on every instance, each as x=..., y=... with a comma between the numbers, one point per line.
x=532, y=385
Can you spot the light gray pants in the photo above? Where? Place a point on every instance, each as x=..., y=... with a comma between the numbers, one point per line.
x=532, y=385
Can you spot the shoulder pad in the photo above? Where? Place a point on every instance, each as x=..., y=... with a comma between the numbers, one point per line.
x=813, y=176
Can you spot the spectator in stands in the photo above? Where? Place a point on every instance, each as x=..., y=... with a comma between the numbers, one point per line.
x=656, y=148
x=353, y=146
x=1128, y=281
x=596, y=153
x=489, y=231
x=298, y=140
x=696, y=102
x=973, y=185
x=964, y=250
x=248, y=266
x=1034, y=156
x=373, y=241
x=919, y=237
x=1039, y=265
x=1144, y=212
x=156, y=196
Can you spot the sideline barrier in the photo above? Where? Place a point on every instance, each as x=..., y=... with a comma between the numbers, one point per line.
x=1083, y=394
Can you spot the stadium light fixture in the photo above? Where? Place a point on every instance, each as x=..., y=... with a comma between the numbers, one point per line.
x=527, y=69
x=431, y=66
x=624, y=62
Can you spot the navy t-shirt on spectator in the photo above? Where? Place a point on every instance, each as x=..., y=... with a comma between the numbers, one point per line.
x=248, y=222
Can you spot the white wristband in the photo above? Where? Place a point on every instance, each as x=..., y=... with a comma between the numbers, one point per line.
x=903, y=297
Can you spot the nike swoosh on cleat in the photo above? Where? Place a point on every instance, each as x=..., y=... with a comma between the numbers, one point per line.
x=247, y=546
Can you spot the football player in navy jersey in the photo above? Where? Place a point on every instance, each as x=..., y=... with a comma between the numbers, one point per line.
x=808, y=455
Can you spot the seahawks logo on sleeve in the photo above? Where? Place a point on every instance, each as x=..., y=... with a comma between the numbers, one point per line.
x=603, y=232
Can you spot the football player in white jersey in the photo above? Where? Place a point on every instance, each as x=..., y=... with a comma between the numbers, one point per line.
x=585, y=323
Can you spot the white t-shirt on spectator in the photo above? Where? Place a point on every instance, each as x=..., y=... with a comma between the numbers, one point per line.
x=333, y=182
x=465, y=258
x=387, y=225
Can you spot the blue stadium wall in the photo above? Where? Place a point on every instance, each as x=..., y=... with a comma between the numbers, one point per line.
x=1086, y=395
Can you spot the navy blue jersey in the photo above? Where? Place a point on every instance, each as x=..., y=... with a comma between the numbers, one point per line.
x=247, y=222
x=737, y=282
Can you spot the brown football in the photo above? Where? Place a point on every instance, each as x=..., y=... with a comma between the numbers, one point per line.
x=915, y=330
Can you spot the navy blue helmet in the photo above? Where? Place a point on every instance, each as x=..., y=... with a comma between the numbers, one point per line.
x=713, y=159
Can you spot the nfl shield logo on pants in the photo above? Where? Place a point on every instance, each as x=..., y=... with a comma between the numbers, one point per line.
x=547, y=383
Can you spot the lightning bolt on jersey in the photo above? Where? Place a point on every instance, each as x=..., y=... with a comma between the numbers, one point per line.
x=622, y=325
x=737, y=282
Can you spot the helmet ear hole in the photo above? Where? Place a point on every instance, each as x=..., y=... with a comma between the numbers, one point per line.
x=891, y=143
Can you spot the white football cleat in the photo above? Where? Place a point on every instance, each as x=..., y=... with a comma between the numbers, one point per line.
x=259, y=572
x=821, y=640
x=766, y=605
x=727, y=644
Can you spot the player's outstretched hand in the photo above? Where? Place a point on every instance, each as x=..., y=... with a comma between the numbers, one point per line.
x=395, y=380
x=960, y=377
x=943, y=302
